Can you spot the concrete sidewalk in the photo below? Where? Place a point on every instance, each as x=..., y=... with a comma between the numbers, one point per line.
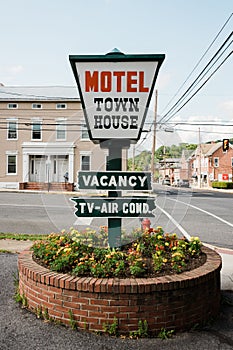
x=15, y=246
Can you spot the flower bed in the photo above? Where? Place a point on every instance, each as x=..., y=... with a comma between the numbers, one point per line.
x=150, y=255
x=175, y=301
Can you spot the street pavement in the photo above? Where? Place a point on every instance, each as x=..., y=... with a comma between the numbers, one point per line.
x=21, y=329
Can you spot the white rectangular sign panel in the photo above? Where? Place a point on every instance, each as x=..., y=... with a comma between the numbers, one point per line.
x=115, y=94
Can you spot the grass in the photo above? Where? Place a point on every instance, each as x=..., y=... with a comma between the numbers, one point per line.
x=23, y=236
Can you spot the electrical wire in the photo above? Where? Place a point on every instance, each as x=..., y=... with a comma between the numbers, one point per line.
x=198, y=78
x=200, y=86
x=190, y=74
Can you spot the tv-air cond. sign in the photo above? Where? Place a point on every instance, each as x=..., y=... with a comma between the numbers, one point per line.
x=115, y=91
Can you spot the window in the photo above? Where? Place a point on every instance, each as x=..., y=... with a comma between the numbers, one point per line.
x=216, y=162
x=12, y=105
x=12, y=133
x=61, y=106
x=36, y=106
x=85, y=162
x=84, y=133
x=36, y=130
x=61, y=129
x=11, y=164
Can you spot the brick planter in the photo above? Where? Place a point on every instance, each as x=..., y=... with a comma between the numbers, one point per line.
x=172, y=302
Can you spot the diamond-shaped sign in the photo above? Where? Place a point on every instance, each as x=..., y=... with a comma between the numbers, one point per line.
x=115, y=91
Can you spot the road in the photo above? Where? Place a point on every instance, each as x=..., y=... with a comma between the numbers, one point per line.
x=206, y=214
x=201, y=213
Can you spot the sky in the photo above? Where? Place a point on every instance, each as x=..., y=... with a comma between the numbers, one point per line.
x=37, y=38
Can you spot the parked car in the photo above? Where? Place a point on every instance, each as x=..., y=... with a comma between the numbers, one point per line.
x=184, y=183
x=176, y=183
x=166, y=182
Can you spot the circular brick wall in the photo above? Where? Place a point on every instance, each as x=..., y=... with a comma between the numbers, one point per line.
x=175, y=302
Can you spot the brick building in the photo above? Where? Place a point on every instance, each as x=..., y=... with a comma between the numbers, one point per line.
x=210, y=163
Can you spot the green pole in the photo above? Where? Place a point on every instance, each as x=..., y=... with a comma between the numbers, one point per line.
x=114, y=162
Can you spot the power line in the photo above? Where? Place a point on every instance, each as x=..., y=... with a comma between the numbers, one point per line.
x=200, y=86
x=198, y=78
x=199, y=61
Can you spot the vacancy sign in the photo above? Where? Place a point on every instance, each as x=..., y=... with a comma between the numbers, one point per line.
x=115, y=91
x=109, y=180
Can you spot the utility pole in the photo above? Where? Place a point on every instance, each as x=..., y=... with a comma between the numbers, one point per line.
x=133, y=159
x=154, y=137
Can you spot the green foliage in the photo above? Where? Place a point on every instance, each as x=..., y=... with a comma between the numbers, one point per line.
x=22, y=237
x=150, y=254
x=222, y=185
x=46, y=314
x=165, y=334
x=39, y=312
x=72, y=321
x=142, y=162
x=111, y=329
x=142, y=331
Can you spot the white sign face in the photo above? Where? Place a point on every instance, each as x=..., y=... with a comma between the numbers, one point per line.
x=116, y=96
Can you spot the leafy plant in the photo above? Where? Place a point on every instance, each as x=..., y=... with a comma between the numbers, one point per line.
x=39, y=312
x=111, y=329
x=72, y=321
x=142, y=331
x=165, y=334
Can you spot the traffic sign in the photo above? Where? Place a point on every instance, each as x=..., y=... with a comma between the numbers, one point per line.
x=115, y=91
x=114, y=207
x=113, y=180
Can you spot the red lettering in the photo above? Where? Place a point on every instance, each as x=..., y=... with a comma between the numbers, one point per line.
x=131, y=81
x=91, y=81
x=142, y=88
x=106, y=81
x=119, y=76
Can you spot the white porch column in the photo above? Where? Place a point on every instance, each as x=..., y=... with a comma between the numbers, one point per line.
x=71, y=166
x=25, y=167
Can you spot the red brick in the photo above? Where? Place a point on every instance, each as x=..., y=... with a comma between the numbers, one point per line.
x=170, y=301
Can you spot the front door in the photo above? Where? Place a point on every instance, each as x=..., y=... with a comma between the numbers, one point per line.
x=37, y=169
x=62, y=167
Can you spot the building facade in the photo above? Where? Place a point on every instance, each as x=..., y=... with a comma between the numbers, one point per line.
x=44, y=140
x=210, y=163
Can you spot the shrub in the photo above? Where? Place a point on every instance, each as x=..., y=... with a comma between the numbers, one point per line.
x=222, y=185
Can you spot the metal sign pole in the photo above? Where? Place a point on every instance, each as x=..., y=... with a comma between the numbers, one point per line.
x=114, y=162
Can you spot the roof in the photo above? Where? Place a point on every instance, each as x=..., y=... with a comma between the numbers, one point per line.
x=35, y=93
x=207, y=149
x=170, y=160
x=214, y=148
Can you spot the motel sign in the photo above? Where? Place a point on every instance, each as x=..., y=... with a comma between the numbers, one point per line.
x=115, y=91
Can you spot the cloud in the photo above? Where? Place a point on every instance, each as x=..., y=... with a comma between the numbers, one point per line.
x=228, y=106
x=214, y=131
x=163, y=80
x=10, y=73
x=15, y=69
